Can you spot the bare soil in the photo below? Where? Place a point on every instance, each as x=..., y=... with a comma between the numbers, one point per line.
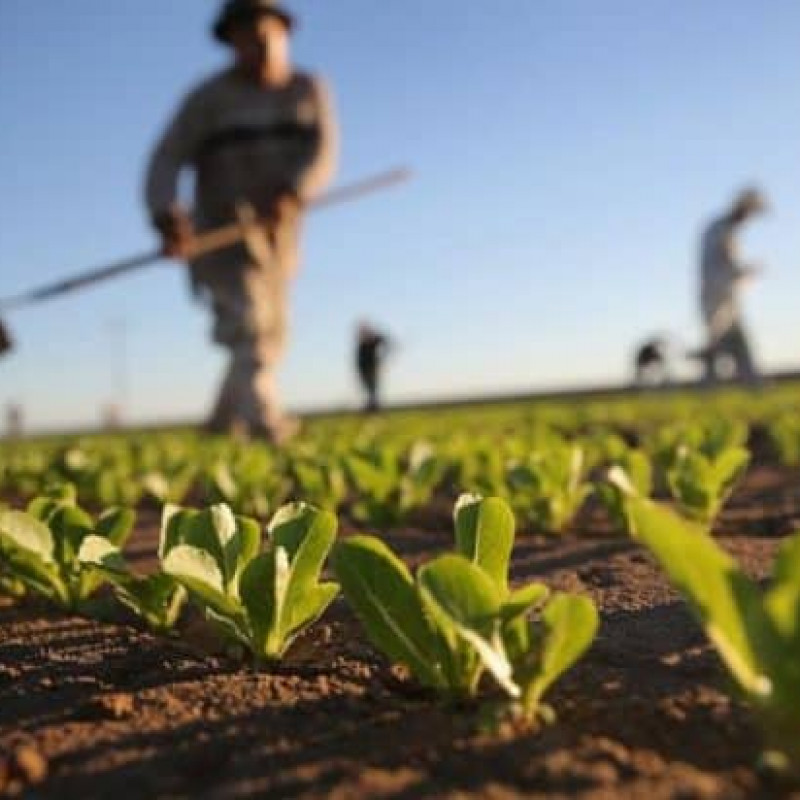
x=90, y=709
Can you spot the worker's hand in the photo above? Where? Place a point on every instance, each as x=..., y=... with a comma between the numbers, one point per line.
x=286, y=206
x=177, y=233
x=751, y=272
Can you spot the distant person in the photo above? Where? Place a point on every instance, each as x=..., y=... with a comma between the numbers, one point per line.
x=651, y=364
x=14, y=421
x=371, y=349
x=260, y=133
x=722, y=276
x=6, y=343
x=111, y=415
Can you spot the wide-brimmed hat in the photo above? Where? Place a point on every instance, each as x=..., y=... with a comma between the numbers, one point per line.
x=751, y=201
x=236, y=11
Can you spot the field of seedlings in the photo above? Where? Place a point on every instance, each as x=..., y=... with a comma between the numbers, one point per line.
x=595, y=598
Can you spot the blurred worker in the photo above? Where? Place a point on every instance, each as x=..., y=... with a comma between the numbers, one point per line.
x=111, y=416
x=260, y=136
x=371, y=349
x=722, y=276
x=14, y=421
x=6, y=343
x=652, y=362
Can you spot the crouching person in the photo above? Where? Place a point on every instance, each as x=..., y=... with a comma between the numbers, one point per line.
x=259, y=136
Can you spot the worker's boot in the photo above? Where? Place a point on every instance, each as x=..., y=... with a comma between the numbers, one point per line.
x=278, y=432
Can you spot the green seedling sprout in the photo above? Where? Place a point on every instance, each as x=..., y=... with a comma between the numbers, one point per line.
x=458, y=619
x=756, y=633
x=262, y=600
x=40, y=547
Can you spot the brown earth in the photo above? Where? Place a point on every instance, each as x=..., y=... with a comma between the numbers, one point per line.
x=92, y=709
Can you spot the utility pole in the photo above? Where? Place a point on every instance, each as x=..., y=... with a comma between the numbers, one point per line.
x=116, y=408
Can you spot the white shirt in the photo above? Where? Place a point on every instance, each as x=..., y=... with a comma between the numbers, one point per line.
x=722, y=273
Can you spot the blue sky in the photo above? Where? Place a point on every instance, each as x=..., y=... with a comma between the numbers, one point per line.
x=567, y=153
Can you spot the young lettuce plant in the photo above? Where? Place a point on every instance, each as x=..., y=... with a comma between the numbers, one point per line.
x=539, y=649
x=425, y=470
x=389, y=486
x=701, y=484
x=481, y=469
x=263, y=601
x=458, y=618
x=756, y=633
x=784, y=432
x=549, y=488
x=320, y=482
x=9, y=585
x=638, y=472
x=249, y=479
x=40, y=547
x=711, y=438
x=170, y=485
x=604, y=447
x=374, y=474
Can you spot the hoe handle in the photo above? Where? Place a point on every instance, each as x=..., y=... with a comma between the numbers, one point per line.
x=205, y=243
x=234, y=233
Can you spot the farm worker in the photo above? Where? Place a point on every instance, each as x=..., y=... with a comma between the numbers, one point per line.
x=651, y=363
x=260, y=136
x=371, y=347
x=722, y=276
x=6, y=343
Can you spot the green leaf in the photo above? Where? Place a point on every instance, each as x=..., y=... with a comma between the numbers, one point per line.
x=729, y=467
x=239, y=540
x=234, y=627
x=172, y=518
x=516, y=630
x=307, y=534
x=381, y=592
x=464, y=591
x=782, y=601
x=258, y=594
x=70, y=526
x=25, y=532
x=485, y=534
x=42, y=508
x=314, y=604
x=99, y=551
x=199, y=572
x=570, y=625
x=465, y=601
x=223, y=522
x=726, y=603
x=290, y=526
x=158, y=599
x=787, y=562
x=522, y=601
x=200, y=530
x=373, y=474
x=116, y=525
x=40, y=576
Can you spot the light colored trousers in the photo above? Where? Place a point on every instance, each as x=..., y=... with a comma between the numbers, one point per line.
x=734, y=345
x=250, y=297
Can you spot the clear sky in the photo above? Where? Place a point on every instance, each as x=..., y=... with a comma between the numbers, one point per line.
x=567, y=153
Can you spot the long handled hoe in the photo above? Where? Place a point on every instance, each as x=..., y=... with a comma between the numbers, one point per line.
x=204, y=244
